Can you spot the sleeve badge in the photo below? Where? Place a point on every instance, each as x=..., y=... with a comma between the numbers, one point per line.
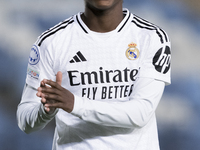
x=34, y=55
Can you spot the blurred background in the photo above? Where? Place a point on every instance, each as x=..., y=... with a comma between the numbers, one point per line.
x=22, y=21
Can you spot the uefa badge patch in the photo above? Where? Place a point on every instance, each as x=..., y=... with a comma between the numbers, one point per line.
x=34, y=55
x=132, y=53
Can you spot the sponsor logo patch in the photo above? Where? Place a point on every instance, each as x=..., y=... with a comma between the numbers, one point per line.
x=34, y=55
x=103, y=83
x=162, y=60
x=78, y=58
x=32, y=73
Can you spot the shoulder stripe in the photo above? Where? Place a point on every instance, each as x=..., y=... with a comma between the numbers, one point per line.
x=56, y=26
x=164, y=33
x=81, y=24
x=141, y=23
x=53, y=30
x=148, y=28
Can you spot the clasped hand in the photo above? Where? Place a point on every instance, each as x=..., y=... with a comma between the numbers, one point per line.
x=53, y=95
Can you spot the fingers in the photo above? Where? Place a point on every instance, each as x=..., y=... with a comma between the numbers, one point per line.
x=46, y=108
x=59, y=77
x=43, y=101
x=53, y=96
x=52, y=84
x=42, y=84
x=53, y=105
x=49, y=95
x=49, y=110
x=53, y=88
x=43, y=91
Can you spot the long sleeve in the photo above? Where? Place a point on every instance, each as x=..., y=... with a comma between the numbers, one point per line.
x=30, y=113
x=133, y=113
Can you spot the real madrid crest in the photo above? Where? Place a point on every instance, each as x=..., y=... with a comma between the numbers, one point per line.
x=132, y=53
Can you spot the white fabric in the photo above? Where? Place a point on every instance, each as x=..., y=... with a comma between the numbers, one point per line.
x=114, y=121
x=115, y=97
x=133, y=113
x=30, y=113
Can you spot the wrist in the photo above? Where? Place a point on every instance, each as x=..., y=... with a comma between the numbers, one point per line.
x=47, y=115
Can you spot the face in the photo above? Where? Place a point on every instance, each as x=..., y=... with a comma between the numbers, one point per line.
x=102, y=4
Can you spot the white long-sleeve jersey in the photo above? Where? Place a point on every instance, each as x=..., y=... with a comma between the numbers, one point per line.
x=117, y=78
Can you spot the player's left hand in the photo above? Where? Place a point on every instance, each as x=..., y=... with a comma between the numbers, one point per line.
x=55, y=96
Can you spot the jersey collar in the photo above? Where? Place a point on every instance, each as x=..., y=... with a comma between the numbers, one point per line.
x=119, y=28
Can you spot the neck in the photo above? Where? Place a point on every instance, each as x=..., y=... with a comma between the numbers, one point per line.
x=103, y=20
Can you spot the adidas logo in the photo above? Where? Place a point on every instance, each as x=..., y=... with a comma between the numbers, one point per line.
x=78, y=58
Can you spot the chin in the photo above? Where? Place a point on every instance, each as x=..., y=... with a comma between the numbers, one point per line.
x=102, y=4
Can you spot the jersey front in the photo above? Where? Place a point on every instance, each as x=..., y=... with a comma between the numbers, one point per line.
x=101, y=67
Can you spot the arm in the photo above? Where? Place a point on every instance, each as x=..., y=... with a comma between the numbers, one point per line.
x=134, y=113
x=30, y=112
